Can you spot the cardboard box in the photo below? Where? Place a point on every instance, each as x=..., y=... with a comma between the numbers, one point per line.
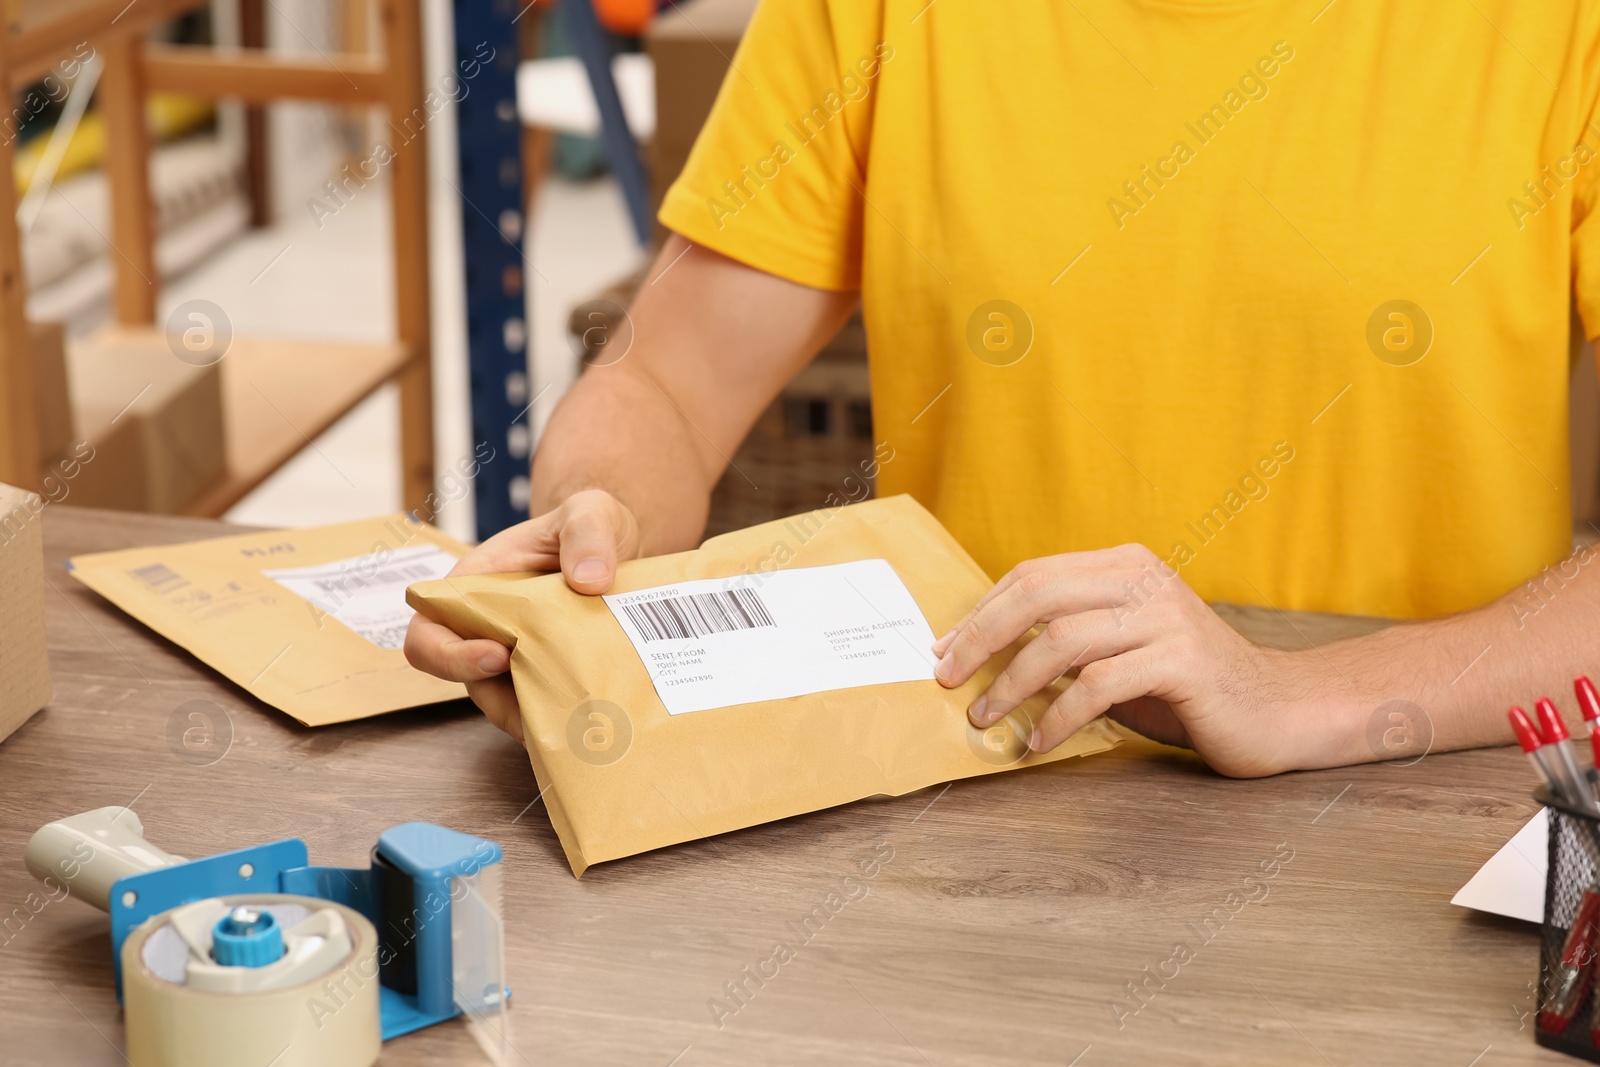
x=691, y=46
x=155, y=423
x=52, y=398
x=23, y=664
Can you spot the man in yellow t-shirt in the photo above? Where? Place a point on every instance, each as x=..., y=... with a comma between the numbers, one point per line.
x=1273, y=294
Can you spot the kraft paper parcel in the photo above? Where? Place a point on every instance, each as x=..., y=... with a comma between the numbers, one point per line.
x=309, y=621
x=621, y=774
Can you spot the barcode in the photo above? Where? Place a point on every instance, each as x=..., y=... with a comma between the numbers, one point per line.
x=698, y=614
x=160, y=578
x=393, y=576
x=387, y=637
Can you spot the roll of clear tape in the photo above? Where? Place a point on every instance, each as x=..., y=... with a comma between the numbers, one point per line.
x=328, y=1020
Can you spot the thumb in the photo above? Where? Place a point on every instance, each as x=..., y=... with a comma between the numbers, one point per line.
x=591, y=532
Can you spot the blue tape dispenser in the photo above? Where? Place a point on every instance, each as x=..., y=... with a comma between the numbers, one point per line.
x=257, y=950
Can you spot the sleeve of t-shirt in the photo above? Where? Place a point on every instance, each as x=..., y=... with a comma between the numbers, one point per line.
x=775, y=179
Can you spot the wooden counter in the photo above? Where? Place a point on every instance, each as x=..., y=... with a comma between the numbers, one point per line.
x=1006, y=916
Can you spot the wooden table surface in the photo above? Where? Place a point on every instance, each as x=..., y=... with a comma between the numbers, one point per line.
x=1005, y=918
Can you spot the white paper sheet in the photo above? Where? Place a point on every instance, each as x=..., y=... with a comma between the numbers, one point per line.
x=1512, y=882
x=723, y=641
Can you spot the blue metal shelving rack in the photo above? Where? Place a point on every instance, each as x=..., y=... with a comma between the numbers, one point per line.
x=490, y=157
x=596, y=53
x=492, y=228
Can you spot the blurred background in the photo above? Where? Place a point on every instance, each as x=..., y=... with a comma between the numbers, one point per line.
x=293, y=262
x=280, y=254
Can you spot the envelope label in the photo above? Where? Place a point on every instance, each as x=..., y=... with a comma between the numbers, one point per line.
x=717, y=642
x=368, y=593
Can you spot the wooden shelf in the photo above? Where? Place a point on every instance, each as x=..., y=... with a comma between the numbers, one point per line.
x=261, y=77
x=278, y=395
x=42, y=33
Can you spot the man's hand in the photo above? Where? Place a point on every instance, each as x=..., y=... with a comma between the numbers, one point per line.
x=584, y=538
x=1147, y=650
x=712, y=342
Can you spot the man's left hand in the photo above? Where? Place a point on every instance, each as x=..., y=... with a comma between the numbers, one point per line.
x=1147, y=650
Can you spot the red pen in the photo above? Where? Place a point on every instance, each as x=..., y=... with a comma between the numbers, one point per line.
x=1574, y=974
x=1589, y=701
x=1564, y=771
x=1532, y=745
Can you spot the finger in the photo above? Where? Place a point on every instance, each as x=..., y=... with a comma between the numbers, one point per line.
x=498, y=702
x=1099, y=559
x=1003, y=584
x=1099, y=685
x=527, y=546
x=1070, y=641
x=1039, y=596
x=1006, y=582
x=439, y=651
x=593, y=532
x=535, y=545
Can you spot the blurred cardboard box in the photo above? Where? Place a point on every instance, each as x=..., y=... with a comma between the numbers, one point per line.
x=691, y=46
x=23, y=664
x=155, y=423
x=52, y=398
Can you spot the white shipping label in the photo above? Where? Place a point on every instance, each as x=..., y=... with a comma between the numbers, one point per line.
x=368, y=593
x=721, y=641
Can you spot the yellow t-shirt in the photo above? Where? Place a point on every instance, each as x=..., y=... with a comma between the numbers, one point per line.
x=1279, y=288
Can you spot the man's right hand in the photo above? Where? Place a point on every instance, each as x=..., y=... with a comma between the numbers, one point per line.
x=584, y=538
x=713, y=341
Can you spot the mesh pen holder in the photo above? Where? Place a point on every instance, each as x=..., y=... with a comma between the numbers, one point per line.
x=1569, y=1005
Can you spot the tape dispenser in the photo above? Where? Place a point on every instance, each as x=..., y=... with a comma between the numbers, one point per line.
x=257, y=951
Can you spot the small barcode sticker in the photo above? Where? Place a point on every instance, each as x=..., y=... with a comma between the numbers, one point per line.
x=715, y=642
x=396, y=576
x=698, y=614
x=159, y=578
x=367, y=593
